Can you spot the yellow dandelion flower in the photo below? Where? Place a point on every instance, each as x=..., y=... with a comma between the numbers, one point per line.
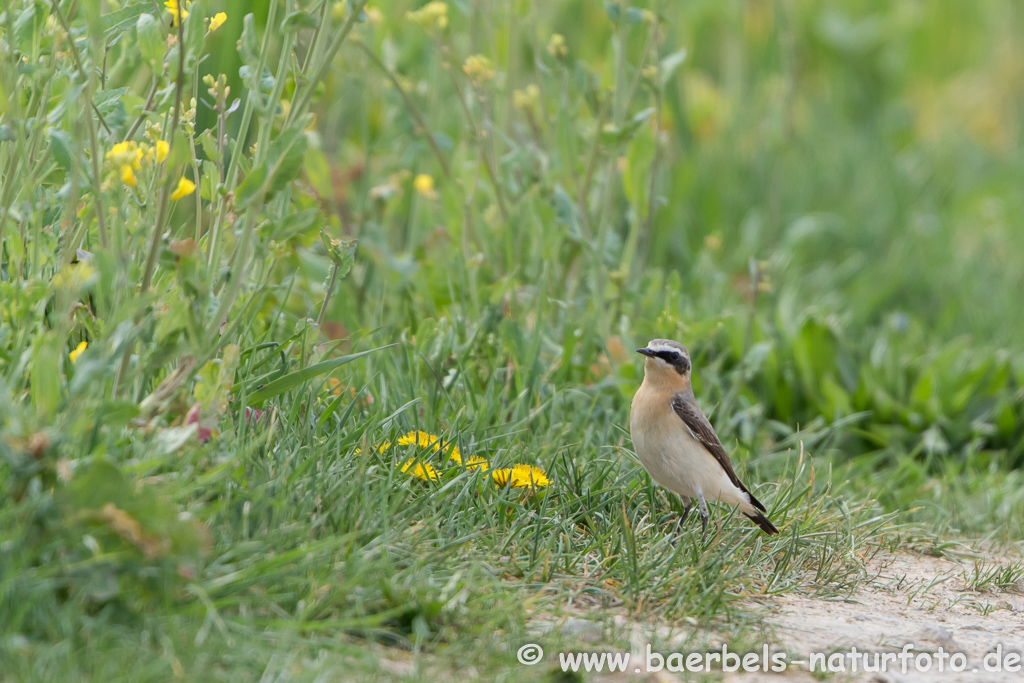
x=128, y=176
x=217, y=20
x=185, y=188
x=176, y=12
x=78, y=352
x=424, y=184
x=521, y=477
x=420, y=470
x=476, y=463
x=422, y=439
x=430, y=15
x=478, y=68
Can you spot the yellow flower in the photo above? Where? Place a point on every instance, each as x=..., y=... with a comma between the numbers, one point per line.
x=77, y=352
x=125, y=154
x=478, y=68
x=423, y=441
x=161, y=150
x=430, y=15
x=476, y=463
x=424, y=184
x=176, y=12
x=217, y=20
x=374, y=15
x=521, y=477
x=426, y=441
x=185, y=188
x=557, y=46
x=339, y=10
x=128, y=176
x=526, y=99
x=420, y=470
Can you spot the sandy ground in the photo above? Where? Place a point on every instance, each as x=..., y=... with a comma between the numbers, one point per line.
x=922, y=601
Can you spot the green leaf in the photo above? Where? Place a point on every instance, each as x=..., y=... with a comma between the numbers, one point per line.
x=266, y=82
x=124, y=18
x=292, y=224
x=151, y=39
x=294, y=379
x=318, y=170
x=62, y=150
x=285, y=156
x=209, y=145
x=251, y=185
x=567, y=213
x=297, y=20
x=195, y=30
x=248, y=47
x=101, y=483
x=30, y=23
x=669, y=64
x=45, y=375
x=282, y=165
x=106, y=100
x=636, y=179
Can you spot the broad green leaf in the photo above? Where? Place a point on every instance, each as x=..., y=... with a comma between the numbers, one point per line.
x=106, y=100
x=151, y=39
x=124, y=18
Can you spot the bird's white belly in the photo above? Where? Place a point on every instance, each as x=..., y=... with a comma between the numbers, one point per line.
x=680, y=463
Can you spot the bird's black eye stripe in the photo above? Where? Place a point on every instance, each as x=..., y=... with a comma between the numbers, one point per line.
x=677, y=360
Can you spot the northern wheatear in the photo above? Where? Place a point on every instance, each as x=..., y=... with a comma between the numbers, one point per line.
x=675, y=442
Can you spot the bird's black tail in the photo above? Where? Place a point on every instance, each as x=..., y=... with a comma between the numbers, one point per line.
x=759, y=518
x=766, y=526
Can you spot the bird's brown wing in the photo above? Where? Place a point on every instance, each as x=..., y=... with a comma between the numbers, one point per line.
x=692, y=416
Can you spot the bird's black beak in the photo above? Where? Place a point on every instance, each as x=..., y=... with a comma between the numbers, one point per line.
x=645, y=352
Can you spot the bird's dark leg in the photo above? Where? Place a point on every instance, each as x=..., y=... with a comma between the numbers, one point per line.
x=687, y=506
x=703, y=508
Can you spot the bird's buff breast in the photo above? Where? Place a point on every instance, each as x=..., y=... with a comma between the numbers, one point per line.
x=671, y=455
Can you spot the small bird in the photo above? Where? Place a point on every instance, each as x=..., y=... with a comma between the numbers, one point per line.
x=677, y=445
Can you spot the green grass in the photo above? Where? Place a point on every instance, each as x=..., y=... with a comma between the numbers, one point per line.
x=823, y=206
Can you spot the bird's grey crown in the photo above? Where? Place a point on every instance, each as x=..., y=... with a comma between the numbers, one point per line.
x=667, y=345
